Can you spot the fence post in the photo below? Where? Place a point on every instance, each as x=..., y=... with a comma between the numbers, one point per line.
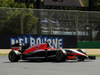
x=76, y=23
x=22, y=25
x=49, y=17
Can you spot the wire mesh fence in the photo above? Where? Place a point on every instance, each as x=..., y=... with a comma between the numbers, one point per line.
x=84, y=24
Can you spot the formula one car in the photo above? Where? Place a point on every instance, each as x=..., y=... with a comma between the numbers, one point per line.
x=46, y=52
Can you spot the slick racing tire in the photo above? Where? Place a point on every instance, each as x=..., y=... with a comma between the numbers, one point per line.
x=13, y=57
x=61, y=56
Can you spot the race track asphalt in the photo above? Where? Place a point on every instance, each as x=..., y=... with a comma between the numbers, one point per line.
x=88, y=67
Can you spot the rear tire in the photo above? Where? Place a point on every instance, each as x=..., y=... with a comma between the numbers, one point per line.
x=61, y=56
x=13, y=57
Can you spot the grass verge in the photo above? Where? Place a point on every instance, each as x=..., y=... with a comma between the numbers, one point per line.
x=97, y=55
x=3, y=54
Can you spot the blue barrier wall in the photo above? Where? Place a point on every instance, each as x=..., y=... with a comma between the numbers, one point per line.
x=69, y=41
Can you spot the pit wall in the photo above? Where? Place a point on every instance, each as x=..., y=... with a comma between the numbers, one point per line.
x=88, y=44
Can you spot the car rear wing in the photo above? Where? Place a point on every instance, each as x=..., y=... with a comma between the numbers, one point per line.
x=22, y=45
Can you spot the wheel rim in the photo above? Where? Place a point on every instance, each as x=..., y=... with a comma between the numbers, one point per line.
x=11, y=56
x=58, y=55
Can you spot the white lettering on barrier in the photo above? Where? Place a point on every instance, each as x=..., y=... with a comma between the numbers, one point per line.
x=20, y=40
x=26, y=40
x=55, y=42
x=60, y=43
x=38, y=41
x=12, y=41
x=32, y=41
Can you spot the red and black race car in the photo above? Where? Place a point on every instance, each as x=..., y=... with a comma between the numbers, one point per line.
x=46, y=52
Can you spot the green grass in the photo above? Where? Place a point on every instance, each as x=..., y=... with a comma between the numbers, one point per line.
x=3, y=54
x=86, y=3
x=97, y=55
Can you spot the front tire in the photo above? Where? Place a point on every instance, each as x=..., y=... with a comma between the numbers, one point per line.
x=61, y=56
x=13, y=57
